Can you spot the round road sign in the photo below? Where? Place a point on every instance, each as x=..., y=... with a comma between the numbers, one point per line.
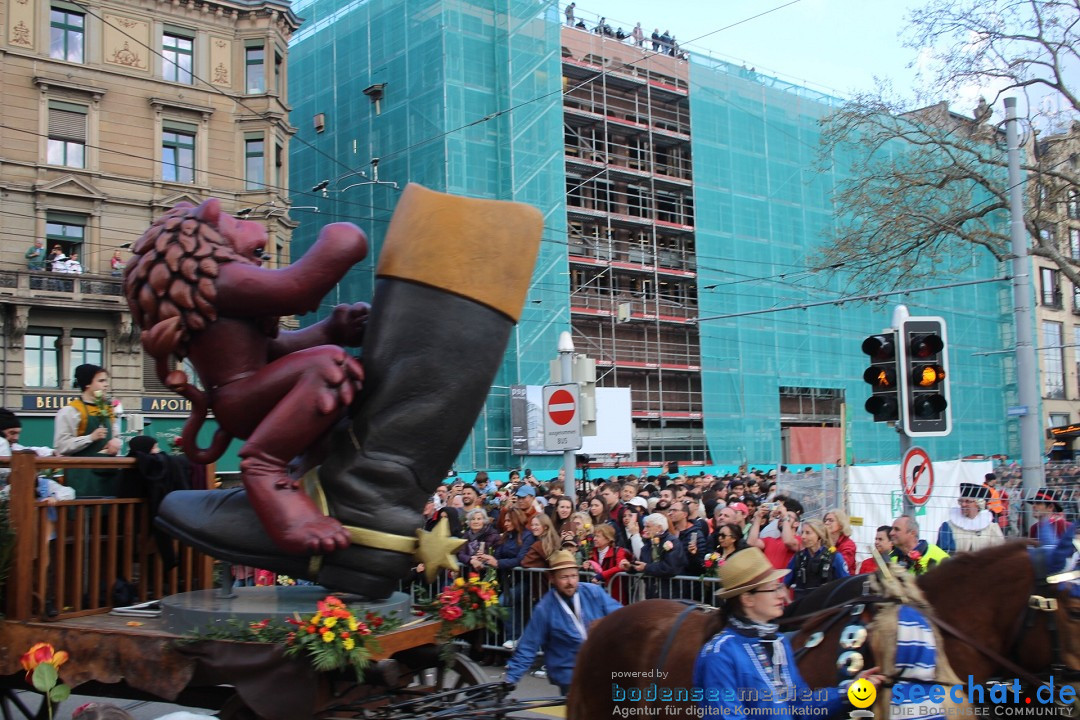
x=561, y=407
x=917, y=476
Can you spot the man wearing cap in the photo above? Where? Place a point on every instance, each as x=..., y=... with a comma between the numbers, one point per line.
x=525, y=501
x=748, y=668
x=560, y=623
x=1050, y=522
x=88, y=427
x=971, y=526
x=995, y=503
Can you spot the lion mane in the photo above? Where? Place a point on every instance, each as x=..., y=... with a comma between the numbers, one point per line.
x=171, y=284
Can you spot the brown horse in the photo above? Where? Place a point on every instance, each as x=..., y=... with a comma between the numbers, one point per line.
x=652, y=645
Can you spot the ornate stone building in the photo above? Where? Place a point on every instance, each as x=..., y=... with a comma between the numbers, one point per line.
x=112, y=113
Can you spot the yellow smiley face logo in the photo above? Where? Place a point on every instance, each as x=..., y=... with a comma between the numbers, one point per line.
x=862, y=693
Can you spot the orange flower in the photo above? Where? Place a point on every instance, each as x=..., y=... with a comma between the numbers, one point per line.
x=43, y=653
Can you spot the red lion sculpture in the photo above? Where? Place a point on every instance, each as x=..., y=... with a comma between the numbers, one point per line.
x=197, y=289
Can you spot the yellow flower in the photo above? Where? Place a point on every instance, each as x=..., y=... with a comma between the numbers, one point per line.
x=459, y=582
x=327, y=637
x=832, y=548
x=329, y=622
x=349, y=643
x=316, y=618
x=352, y=624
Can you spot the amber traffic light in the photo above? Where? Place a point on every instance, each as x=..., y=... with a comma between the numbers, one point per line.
x=924, y=377
x=883, y=402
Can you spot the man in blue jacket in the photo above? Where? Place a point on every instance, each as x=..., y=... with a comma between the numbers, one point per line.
x=560, y=622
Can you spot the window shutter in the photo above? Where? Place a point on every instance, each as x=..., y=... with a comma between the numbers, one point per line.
x=67, y=125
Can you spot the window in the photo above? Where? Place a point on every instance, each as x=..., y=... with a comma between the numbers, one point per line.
x=1076, y=346
x=66, y=32
x=279, y=70
x=1050, y=295
x=178, y=152
x=177, y=55
x=1059, y=419
x=67, y=134
x=1076, y=299
x=255, y=68
x=1073, y=205
x=1074, y=243
x=279, y=164
x=66, y=230
x=254, y=162
x=1053, y=361
x=41, y=359
x=87, y=350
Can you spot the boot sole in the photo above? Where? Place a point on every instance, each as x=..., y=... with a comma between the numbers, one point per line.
x=364, y=584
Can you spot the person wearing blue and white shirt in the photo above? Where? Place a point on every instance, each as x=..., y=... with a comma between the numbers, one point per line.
x=560, y=623
x=748, y=668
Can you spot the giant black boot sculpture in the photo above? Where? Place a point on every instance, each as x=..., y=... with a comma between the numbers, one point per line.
x=451, y=281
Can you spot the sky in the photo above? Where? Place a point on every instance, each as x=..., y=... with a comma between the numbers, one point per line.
x=837, y=46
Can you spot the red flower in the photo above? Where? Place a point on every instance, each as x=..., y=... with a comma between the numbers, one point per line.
x=450, y=613
x=257, y=626
x=915, y=555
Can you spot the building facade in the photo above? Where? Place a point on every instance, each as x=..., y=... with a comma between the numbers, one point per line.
x=113, y=112
x=683, y=199
x=1055, y=206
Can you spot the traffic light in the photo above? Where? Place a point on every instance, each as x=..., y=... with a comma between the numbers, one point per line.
x=924, y=381
x=883, y=403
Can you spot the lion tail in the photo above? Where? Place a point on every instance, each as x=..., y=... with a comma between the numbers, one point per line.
x=160, y=342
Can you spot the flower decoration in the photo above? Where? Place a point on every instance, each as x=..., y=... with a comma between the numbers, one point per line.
x=42, y=664
x=334, y=638
x=668, y=546
x=469, y=603
x=103, y=404
x=712, y=564
x=117, y=408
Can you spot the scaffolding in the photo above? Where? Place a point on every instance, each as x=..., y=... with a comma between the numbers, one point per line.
x=631, y=248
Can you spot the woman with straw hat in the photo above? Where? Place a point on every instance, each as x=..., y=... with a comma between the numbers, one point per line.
x=748, y=668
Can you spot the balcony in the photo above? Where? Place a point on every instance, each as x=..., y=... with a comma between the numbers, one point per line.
x=60, y=290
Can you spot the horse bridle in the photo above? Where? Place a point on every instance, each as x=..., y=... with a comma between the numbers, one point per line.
x=1040, y=600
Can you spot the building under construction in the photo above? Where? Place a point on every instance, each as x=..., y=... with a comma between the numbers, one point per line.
x=683, y=200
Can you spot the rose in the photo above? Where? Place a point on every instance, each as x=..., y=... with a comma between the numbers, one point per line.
x=915, y=555
x=42, y=663
x=450, y=613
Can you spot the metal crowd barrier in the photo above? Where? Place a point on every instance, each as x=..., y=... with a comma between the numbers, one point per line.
x=521, y=588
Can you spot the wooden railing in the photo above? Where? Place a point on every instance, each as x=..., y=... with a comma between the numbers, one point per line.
x=75, y=561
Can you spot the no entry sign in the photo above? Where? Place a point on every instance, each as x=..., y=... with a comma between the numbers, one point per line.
x=561, y=407
x=562, y=420
x=917, y=476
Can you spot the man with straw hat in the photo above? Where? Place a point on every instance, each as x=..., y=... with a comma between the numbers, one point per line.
x=560, y=623
x=748, y=668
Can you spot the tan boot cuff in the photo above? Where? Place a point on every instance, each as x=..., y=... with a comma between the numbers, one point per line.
x=484, y=250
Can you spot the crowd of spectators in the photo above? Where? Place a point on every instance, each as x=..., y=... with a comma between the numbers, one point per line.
x=663, y=43
x=656, y=528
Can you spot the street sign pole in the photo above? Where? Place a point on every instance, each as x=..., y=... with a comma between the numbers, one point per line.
x=566, y=355
x=900, y=314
